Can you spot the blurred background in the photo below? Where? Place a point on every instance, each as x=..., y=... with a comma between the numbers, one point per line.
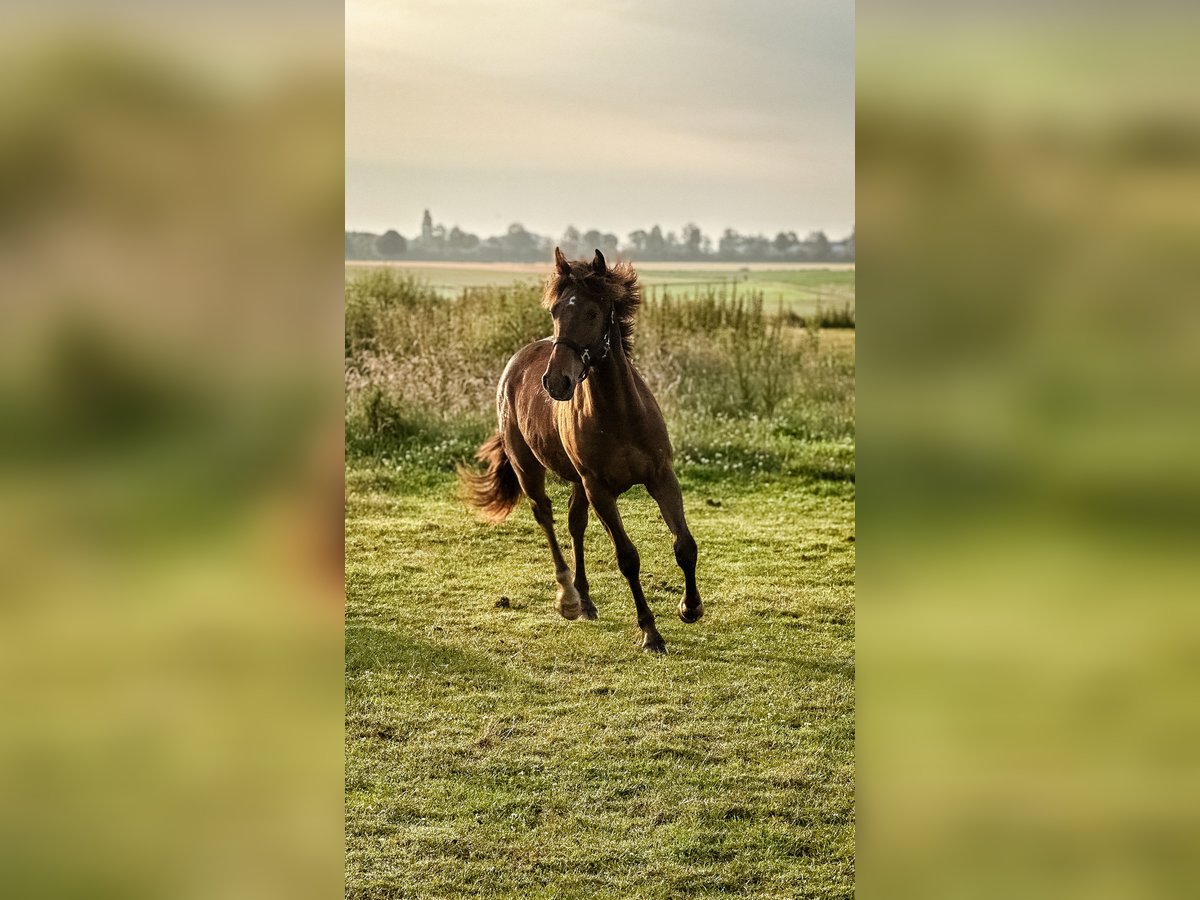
x=1029, y=184
x=170, y=450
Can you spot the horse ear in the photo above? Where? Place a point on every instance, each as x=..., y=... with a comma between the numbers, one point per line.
x=598, y=265
x=564, y=267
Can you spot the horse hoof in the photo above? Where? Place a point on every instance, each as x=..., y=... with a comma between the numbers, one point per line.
x=654, y=644
x=589, y=611
x=568, y=603
x=691, y=614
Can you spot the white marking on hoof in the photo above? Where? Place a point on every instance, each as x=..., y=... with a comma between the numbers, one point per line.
x=568, y=603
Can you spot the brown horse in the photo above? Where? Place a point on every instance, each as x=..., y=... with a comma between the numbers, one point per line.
x=574, y=404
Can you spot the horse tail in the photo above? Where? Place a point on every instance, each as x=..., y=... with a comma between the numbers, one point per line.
x=495, y=492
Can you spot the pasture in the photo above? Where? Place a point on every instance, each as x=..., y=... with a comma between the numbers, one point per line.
x=799, y=287
x=495, y=749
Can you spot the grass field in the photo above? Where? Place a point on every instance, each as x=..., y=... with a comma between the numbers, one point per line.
x=495, y=749
x=800, y=288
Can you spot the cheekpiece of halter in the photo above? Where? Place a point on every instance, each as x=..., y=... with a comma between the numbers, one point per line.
x=585, y=353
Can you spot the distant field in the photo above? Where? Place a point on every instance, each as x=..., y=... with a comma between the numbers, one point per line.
x=800, y=287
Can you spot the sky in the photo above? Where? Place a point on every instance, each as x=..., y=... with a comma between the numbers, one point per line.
x=609, y=114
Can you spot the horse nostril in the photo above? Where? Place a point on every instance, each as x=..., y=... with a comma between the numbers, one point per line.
x=546, y=382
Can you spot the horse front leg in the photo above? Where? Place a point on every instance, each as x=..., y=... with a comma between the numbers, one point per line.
x=629, y=563
x=577, y=519
x=665, y=491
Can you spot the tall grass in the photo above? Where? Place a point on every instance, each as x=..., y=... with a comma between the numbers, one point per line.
x=744, y=388
x=826, y=317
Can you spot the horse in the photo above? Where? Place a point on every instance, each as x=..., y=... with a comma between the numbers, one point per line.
x=574, y=404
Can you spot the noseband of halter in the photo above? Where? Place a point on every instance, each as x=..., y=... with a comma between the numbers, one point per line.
x=588, y=355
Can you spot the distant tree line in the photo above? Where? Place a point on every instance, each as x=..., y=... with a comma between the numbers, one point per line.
x=518, y=245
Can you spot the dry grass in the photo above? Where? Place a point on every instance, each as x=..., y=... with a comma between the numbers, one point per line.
x=737, y=381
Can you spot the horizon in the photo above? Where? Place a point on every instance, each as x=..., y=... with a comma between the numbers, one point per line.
x=621, y=235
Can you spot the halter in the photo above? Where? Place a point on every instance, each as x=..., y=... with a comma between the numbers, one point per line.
x=586, y=354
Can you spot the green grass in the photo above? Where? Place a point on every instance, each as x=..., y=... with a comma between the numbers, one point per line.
x=494, y=749
x=800, y=290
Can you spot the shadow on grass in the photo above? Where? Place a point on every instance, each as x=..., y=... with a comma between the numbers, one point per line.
x=370, y=649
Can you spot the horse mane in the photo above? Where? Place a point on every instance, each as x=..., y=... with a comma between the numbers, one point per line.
x=618, y=285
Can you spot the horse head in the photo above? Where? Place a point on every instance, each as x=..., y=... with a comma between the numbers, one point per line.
x=583, y=306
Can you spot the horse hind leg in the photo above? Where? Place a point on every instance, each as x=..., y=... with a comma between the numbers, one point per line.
x=669, y=497
x=533, y=483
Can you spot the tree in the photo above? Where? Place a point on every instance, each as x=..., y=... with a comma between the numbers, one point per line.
x=492, y=249
x=655, y=245
x=390, y=245
x=519, y=245
x=461, y=240
x=592, y=239
x=571, y=243
x=730, y=245
x=360, y=245
x=818, y=246
x=672, y=250
x=757, y=246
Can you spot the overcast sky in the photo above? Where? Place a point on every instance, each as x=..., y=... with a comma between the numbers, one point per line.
x=612, y=114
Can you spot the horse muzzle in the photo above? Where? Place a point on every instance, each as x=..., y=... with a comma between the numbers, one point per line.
x=560, y=387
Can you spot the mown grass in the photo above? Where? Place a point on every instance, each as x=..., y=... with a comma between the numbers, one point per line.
x=494, y=749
